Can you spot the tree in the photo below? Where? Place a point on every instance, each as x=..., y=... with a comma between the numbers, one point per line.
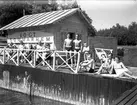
x=12, y=11
x=132, y=33
x=44, y=7
x=124, y=35
x=69, y=5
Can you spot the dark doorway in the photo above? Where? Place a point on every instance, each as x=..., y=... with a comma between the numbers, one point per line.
x=72, y=35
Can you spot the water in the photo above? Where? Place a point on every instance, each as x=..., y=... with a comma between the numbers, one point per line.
x=8, y=97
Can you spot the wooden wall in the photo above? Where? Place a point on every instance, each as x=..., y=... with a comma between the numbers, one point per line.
x=60, y=29
x=103, y=42
x=71, y=24
x=73, y=88
x=130, y=57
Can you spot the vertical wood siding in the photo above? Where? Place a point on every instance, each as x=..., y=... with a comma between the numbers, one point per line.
x=79, y=88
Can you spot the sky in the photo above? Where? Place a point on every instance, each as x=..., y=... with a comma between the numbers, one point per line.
x=106, y=13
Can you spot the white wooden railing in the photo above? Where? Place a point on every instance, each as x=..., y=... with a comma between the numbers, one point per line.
x=55, y=60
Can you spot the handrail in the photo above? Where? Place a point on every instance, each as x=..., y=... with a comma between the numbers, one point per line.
x=58, y=51
x=34, y=58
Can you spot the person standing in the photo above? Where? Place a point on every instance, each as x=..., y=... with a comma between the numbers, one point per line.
x=77, y=47
x=77, y=44
x=67, y=43
x=68, y=47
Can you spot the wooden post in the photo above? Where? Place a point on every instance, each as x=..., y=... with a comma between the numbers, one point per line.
x=77, y=67
x=4, y=56
x=18, y=57
x=34, y=60
x=54, y=60
x=93, y=52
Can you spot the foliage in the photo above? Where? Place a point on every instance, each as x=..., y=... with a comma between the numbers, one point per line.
x=45, y=7
x=132, y=33
x=124, y=35
x=11, y=10
x=92, y=31
x=69, y=5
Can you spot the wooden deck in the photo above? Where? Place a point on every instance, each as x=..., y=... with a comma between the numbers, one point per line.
x=128, y=98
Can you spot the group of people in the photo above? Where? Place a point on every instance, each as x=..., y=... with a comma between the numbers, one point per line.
x=75, y=46
x=109, y=65
x=28, y=50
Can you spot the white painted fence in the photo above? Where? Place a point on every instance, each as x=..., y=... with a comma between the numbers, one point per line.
x=36, y=58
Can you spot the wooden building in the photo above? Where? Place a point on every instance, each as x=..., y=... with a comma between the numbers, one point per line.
x=50, y=27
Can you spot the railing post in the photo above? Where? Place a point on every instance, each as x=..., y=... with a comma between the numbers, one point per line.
x=54, y=60
x=78, y=61
x=18, y=57
x=34, y=59
x=4, y=56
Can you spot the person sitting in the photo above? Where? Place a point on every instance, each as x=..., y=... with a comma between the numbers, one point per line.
x=39, y=52
x=10, y=45
x=85, y=51
x=47, y=53
x=39, y=46
x=21, y=49
x=120, y=69
x=106, y=65
x=103, y=58
x=88, y=65
x=9, y=48
x=21, y=46
x=29, y=52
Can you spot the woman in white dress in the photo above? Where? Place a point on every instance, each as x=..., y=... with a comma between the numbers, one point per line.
x=120, y=69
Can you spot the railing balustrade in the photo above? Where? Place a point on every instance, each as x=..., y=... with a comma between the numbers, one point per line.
x=53, y=60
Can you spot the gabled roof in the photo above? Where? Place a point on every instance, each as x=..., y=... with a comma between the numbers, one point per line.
x=41, y=19
x=128, y=98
